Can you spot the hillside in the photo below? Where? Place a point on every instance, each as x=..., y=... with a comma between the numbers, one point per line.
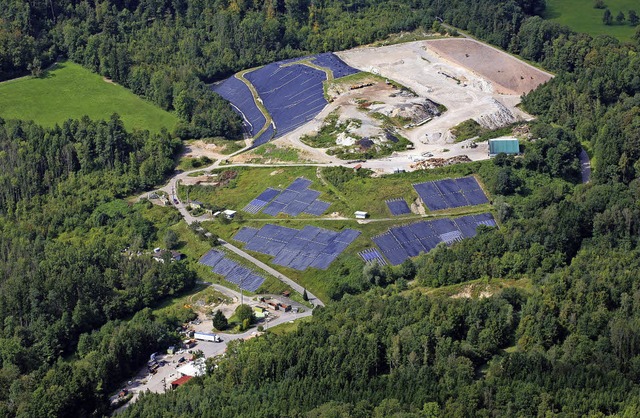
x=510, y=286
x=69, y=91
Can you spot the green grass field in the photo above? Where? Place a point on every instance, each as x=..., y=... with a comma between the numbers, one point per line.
x=581, y=16
x=71, y=91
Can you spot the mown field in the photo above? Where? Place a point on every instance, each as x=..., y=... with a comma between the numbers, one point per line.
x=69, y=91
x=581, y=16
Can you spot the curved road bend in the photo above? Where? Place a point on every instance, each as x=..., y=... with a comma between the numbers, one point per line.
x=189, y=219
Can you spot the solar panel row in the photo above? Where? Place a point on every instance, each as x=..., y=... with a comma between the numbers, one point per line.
x=372, y=256
x=402, y=242
x=336, y=65
x=261, y=201
x=398, y=206
x=232, y=271
x=294, y=200
x=240, y=96
x=451, y=193
x=293, y=94
x=298, y=249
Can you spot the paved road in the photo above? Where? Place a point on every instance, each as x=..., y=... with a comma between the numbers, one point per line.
x=585, y=166
x=295, y=286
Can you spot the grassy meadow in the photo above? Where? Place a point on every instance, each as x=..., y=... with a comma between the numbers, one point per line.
x=71, y=91
x=581, y=16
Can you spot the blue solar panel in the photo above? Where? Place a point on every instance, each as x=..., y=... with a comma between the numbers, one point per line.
x=348, y=236
x=293, y=95
x=309, y=232
x=299, y=249
x=398, y=207
x=386, y=240
x=301, y=263
x=269, y=230
x=285, y=257
x=451, y=237
x=336, y=65
x=268, y=194
x=447, y=186
x=274, y=208
x=238, y=274
x=295, y=208
x=429, y=243
x=422, y=229
x=395, y=255
x=300, y=184
x=490, y=223
x=259, y=244
x=274, y=248
x=287, y=196
x=236, y=92
x=451, y=193
x=442, y=226
x=325, y=236
x=483, y=217
x=401, y=235
x=467, y=183
x=476, y=197
x=224, y=267
x=316, y=247
x=402, y=242
x=372, y=256
x=435, y=202
x=211, y=258
x=284, y=234
x=317, y=208
x=297, y=244
x=264, y=137
x=466, y=225
x=253, y=207
x=413, y=248
x=426, y=190
x=455, y=200
x=253, y=282
x=245, y=234
x=323, y=261
x=308, y=196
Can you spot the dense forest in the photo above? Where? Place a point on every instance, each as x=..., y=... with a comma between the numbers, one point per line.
x=74, y=312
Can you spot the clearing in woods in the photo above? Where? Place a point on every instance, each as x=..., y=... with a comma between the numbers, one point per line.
x=69, y=91
x=581, y=16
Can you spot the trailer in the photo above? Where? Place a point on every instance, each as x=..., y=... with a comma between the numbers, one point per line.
x=202, y=336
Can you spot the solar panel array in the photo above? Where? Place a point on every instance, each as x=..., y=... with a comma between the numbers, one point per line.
x=261, y=201
x=294, y=200
x=336, y=65
x=293, y=94
x=232, y=271
x=264, y=137
x=402, y=242
x=240, y=96
x=398, y=207
x=372, y=255
x=298, y=249
x=451, y=193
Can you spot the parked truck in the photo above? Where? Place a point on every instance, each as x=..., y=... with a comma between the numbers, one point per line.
x=202, y=336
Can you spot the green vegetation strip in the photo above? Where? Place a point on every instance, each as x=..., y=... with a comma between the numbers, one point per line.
x=256, y=99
